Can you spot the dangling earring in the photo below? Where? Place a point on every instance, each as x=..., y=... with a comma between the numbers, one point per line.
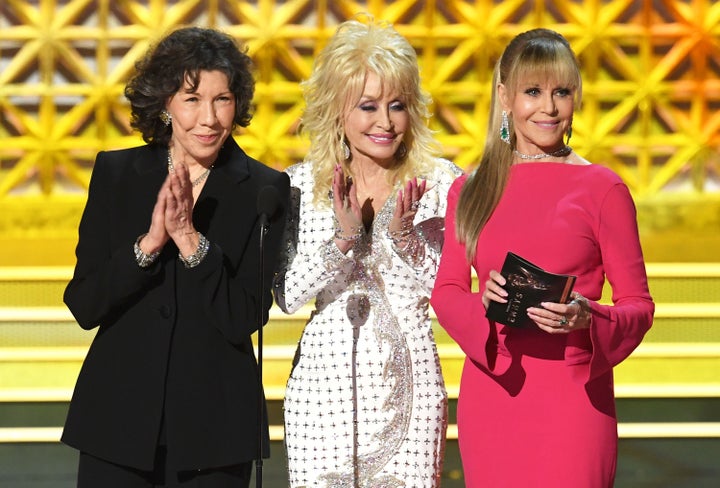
x=345, y=149
x=401, y=151
x=505, y=128
x=165, y=117
x=569, y=135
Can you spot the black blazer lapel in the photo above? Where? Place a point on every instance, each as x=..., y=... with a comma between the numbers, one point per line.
x=226, y=208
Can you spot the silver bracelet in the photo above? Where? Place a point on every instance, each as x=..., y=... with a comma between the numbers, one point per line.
x=358, y=233
x=196, y=258
x=397, y=236
x=143, y=260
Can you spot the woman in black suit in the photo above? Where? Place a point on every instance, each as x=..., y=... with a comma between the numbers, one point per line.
x=168, y=270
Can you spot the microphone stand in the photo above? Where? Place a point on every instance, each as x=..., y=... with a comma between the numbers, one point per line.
x=261, y=392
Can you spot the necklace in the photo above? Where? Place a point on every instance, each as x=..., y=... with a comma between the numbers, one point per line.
x=563, y=151
x=202, y=177
x=196, y=181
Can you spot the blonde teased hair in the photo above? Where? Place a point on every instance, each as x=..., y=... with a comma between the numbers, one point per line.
x=337, y=83
x=540, y=54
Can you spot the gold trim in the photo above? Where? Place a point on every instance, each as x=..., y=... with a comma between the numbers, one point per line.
x=629, y=430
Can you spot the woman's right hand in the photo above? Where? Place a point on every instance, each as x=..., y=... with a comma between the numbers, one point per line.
x=157, y=235
x=494, y=290
x=348, y=213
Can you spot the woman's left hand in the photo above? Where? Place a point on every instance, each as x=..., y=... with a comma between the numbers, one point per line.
x=406, y=206
x=561, y=318
x=178, y=211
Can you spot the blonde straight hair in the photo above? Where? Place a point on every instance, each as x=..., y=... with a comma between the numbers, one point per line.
x=336, y=84
x=539, y=54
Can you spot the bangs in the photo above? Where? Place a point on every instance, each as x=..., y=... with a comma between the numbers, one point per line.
x=396, y=78
x=354, y=86
x=545, y=63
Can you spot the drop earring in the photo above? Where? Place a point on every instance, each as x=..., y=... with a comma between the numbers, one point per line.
x=345, y=149
x=505, y=128
x=568, y=134
x=165, y=117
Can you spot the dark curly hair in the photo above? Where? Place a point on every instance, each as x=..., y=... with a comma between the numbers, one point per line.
x=178, y=57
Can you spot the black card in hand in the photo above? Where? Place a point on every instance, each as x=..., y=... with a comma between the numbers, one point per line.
x=527, y=285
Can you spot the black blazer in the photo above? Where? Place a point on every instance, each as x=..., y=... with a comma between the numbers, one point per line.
x=173, y=343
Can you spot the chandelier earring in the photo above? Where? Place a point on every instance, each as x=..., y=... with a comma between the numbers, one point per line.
x=165, y=117
x=505, y=128
x=345, y=149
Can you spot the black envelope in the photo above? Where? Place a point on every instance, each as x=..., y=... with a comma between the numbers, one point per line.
x=527, y=285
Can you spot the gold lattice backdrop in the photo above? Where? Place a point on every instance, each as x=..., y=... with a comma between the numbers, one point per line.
x=651, y=95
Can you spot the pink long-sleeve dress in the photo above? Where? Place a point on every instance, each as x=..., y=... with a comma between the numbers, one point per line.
x=537, y=409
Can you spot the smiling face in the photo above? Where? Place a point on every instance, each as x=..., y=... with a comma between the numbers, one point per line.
x=541, y=112
x=201, y=119
x=376, y=124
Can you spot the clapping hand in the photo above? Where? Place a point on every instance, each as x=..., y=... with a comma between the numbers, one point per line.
x=348, y=214
x=178, y=210
x=406, y=206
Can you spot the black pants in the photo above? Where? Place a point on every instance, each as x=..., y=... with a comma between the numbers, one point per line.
x=97, y=473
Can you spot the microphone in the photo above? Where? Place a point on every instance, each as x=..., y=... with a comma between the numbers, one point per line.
x=268, y=202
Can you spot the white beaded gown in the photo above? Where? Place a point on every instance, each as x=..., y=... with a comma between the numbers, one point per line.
x=365, y=404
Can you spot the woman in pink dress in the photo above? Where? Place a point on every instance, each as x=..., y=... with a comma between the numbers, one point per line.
x=536, y=405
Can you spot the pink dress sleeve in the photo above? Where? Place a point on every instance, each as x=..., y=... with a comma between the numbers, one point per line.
x=459, y=309
x=616, y=329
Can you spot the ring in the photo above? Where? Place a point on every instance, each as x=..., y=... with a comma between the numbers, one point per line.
x=563, y=321
x=415, y=205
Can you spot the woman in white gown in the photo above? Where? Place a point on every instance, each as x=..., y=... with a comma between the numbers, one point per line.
x=365, y=404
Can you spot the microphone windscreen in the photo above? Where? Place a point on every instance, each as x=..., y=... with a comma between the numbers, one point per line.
x=268, y=201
